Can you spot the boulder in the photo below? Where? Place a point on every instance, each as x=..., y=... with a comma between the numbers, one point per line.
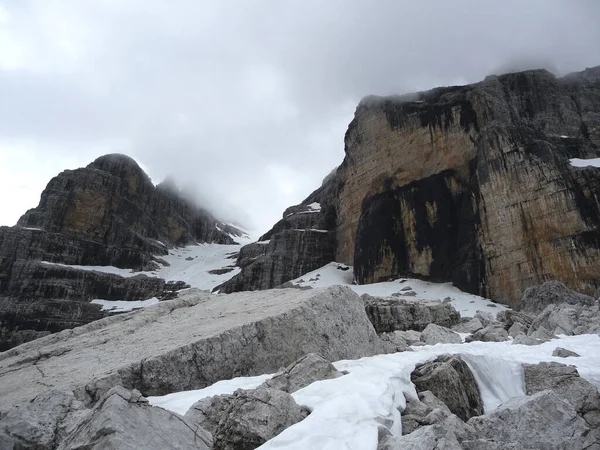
x=565, y=382
x=123, y=420
x=432, y=437
x=469, y=326
x=41, y=423
x=486, y=318
x=541, y=333
x=393, y=342
x=247, y=418
x=435, y=334
x=540, y=421
x=411, y=337
x=301, y=373
x=526, y=340
x=516, y=329
x=394, y=314
x=536, y=298
x=190, y=343
x=568, y=319
x=450, y=380
x=563, y=352
x=491, y=333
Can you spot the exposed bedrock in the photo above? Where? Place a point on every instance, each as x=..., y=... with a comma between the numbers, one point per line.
x=106, y=214
x=473, y=184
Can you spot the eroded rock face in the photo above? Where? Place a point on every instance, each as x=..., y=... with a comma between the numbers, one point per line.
x=450, y=379
x=302, y=241
x=472, y=184
x=536, y=298
x=106, y=214
x=247, y=418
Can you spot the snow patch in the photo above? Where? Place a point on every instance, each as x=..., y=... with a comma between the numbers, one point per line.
x=123, y=305
x=332, y=274
x=577, y=162
x=126, y=273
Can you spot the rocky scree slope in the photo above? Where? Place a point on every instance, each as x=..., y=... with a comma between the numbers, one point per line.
x=108, y=213
x=470, y=184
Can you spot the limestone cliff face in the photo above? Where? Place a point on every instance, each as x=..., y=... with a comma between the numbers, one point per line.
x=112, y=202
x=469, y=184
x=473, y=185
x=108, y=213
x=302, y=241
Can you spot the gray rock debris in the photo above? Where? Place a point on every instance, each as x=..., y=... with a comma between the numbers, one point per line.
x=563, y=352
x=568, y=319
x=301, y=373
x=394, y=314
x=435, y=334
x=536, y=298
x=247, y=418
x=123, y=420
x=470, y=326
x=494, y=332
x=393, y=342
x=450, y=380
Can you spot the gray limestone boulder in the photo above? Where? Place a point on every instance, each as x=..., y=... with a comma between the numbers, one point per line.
x=540, y=421
x=450, y=380
x=409, y=336
x=435, y=334
x=394, y=314
x=486, y=318
x=563, y=353
x=568, y=319
x=516, y=329
x=493, y=332
x=470, y=326
x=393, y=342
x=565, y=382
x=301, y=373
x=536, y=298
x=521, y=339
x=541, y=333
x=123, y=420
x=247, y=418
x=42, y=423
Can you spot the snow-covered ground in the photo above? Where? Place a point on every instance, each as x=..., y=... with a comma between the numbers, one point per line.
x=348, y=412
x=466, y=304
x=124, y=306
x=577, y=162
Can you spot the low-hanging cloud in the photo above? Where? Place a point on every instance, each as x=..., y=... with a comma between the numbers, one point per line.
x=246, y=101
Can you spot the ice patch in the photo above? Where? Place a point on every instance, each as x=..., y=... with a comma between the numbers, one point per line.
x=123, y=305
x=105, y=269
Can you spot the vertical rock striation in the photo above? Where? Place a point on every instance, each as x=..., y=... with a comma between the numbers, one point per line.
x=473, y=184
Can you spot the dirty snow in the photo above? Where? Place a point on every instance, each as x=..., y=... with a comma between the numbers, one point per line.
x=466, y=304
x=115, y=306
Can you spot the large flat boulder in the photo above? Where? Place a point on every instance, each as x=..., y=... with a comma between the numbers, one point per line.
x=190, y=343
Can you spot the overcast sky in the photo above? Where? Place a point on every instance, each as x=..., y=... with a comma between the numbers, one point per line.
x=248, y=101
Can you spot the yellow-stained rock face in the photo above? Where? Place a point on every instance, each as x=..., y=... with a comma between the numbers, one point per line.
x=473, y=185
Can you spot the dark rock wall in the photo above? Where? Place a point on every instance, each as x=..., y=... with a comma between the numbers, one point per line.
x=106, y=214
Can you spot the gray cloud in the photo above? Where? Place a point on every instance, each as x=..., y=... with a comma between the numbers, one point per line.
x=246, y=101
